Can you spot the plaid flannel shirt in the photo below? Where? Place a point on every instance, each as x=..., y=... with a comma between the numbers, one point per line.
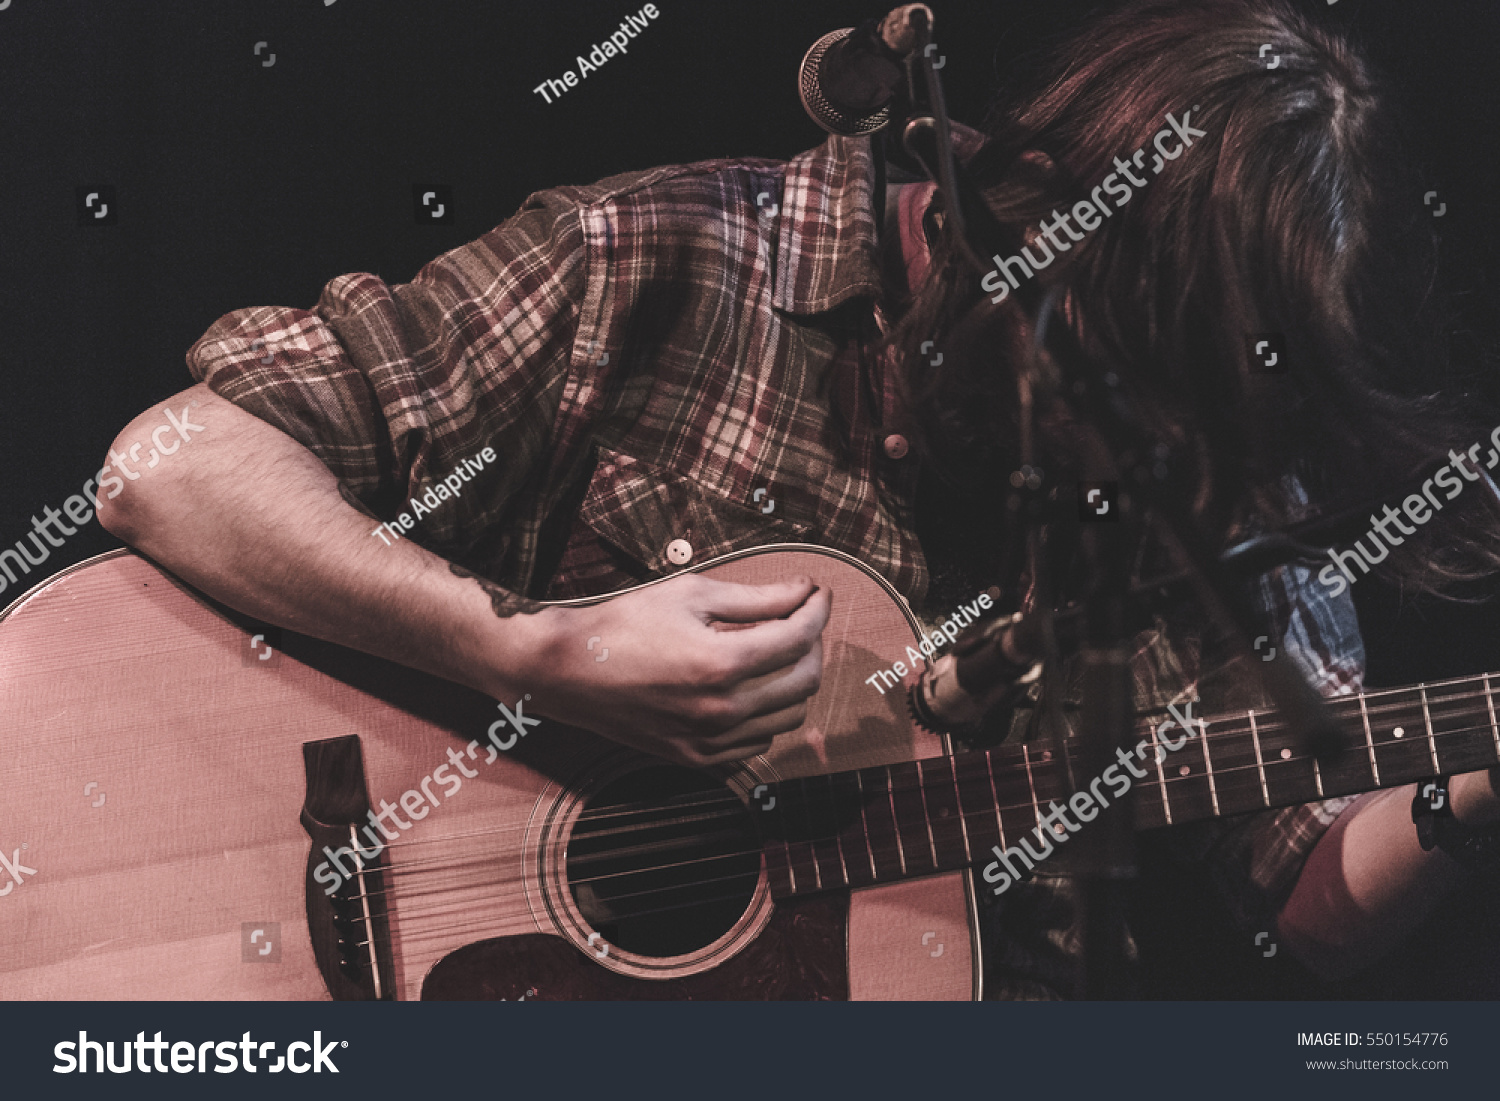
x=643, y=354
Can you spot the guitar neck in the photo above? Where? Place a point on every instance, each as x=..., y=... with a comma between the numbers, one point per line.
x=876, y=825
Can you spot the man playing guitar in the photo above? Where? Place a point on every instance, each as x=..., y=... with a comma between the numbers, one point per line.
x=646, y=354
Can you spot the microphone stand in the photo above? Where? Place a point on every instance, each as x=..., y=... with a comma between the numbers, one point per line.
x=1114, y=430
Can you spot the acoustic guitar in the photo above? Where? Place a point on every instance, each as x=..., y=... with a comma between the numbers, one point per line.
x=196, y=807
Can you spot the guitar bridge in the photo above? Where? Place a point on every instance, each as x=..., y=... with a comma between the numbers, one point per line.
x=346, y=882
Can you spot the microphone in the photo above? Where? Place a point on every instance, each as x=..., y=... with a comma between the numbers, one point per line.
x=991, y=661
x=850, y=76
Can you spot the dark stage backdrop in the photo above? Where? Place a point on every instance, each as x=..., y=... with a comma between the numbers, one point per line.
x=251, y=151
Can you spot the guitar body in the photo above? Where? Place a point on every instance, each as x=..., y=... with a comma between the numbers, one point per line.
x=154, y=774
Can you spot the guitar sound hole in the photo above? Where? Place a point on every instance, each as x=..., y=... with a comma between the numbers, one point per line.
x=663, y=861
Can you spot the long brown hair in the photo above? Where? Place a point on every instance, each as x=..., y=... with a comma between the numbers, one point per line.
x=1296, y=214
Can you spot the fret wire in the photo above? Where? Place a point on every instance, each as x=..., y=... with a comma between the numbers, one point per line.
x=838, y=834
x=926, y=813
x=958, y=800
x=890, y=785
x=1437, y=769
x=1486, y=690
x=1459, y=733
x=1208, y=767
x=1161, y=778
x=998, y=808
x=1260, y=763
x=1490, y=700
x=859, y=782
x=1317, y=778
x=812, y=842
x=1232, y=770
x=989, y=767
x=1035, y=806
x=1383, y=692
x=1369, y=741
x=1479, y=683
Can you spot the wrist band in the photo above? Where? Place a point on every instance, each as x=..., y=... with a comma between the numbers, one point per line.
x=1474, y=847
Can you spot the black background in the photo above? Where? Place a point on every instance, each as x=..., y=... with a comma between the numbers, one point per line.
x=238, y=184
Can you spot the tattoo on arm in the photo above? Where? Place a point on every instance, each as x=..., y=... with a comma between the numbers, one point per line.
x=504, y=602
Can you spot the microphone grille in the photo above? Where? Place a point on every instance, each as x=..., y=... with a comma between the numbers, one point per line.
x=824, y=113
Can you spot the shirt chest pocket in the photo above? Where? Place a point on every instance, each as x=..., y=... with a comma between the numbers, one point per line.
x=667, y=521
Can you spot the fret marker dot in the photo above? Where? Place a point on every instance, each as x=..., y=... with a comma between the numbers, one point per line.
x=1059, y=830
x=1046, y=755
x=1399, y=732
x=943, y=812
x=1286, y=754
x=1184, y=770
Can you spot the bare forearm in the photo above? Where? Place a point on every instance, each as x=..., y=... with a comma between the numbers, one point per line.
x=253, y=519
x=1368, y=883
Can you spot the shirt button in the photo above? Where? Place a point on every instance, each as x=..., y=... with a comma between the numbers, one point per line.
x=679, y=552
x=896, y=446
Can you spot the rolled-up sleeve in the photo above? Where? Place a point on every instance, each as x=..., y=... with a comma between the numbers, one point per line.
x=394, y=387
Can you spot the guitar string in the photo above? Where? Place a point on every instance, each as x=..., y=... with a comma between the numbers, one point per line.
x=487, y=923
x=1232, y=726
x=734, y=807
x=1231, y=730
x=878, y=848
x=883, y=850
x=1272, y=725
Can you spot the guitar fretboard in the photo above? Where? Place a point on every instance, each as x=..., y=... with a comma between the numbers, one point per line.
x=876, y=825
